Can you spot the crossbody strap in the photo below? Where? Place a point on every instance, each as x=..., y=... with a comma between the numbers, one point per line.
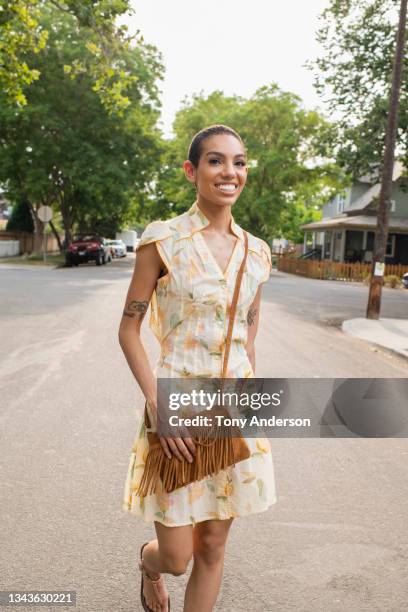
x=231, y=317
x=233, y=307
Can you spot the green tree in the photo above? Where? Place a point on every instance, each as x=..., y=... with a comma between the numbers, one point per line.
x=285, y=141
x=20, y=218
x=286, y=179
x=65, y=149
x=353, y=77
x=22, y=33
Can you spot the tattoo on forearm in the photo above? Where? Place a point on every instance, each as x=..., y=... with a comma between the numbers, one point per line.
x=136, y=309
x=251, y=316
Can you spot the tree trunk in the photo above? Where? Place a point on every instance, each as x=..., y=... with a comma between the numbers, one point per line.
x=38, y=229
x=57, y=236
x=67, y=220
x=377, y=280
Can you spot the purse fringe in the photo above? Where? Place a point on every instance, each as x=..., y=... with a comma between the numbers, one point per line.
x=173, y=473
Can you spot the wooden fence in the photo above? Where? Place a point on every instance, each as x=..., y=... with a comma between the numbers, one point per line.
x=333, y=270
x=27, y=241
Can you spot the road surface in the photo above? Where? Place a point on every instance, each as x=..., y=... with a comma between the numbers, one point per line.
x=337, y=537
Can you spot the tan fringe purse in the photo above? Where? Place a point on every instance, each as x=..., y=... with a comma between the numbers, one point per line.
x=214, y=452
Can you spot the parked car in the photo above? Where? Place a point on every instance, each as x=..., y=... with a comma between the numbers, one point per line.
x=405, y=280
x=88, y=248
x=118, y=247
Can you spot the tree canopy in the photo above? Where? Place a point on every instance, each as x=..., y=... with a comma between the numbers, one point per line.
x=353, y=76
x=288, y=178
x=65, y=149
x=23, y=34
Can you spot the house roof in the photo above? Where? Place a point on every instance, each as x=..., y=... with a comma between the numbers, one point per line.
x=357, y=222
x=374, y=191
x=365, y=200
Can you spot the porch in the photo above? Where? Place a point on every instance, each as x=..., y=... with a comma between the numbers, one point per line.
x=342, y=240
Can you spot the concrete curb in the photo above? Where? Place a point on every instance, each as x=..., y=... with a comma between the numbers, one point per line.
x=391, y=334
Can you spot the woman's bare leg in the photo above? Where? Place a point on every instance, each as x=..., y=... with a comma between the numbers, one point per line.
x=209, y=539
x=170, y=553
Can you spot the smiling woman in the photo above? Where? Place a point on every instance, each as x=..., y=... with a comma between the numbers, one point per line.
x=200, y=147
x=219, y=173
x=202, y=251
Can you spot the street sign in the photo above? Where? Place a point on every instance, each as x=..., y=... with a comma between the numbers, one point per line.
x=44, y=213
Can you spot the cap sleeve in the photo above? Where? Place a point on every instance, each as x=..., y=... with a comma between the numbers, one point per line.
x=267, y=261
x=160, y=233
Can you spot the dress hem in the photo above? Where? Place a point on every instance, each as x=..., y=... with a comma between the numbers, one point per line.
x=201, y=520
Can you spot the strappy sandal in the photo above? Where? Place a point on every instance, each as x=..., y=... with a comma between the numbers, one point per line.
x=154, y=584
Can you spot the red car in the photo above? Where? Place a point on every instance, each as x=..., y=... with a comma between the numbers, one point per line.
x=88, y=248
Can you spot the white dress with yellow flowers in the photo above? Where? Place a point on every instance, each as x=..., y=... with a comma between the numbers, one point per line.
x=188, y=317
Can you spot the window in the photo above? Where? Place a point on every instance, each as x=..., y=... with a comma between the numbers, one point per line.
x=390, y=249
x=392, y=207
x=370, y=241
x=341, y=201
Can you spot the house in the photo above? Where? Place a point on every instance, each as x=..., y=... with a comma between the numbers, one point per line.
x=347, y=228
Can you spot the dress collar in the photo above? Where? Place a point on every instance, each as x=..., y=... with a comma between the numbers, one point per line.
x=198, y=221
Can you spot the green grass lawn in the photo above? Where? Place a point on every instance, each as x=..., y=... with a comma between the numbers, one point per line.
x=36, y=260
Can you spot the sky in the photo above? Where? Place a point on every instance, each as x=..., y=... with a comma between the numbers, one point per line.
x=232, y=45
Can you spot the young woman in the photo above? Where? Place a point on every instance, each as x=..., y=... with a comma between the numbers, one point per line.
x=187, y=267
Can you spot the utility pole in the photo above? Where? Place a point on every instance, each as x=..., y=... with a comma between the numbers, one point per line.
x=381, y=234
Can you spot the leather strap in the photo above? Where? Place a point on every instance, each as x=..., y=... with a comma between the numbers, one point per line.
x=233, y=307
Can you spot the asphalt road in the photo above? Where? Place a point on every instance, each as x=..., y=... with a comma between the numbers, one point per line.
x=337, y=537
x=328, y=301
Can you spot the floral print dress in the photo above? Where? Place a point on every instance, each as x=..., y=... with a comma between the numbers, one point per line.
x=188, y=317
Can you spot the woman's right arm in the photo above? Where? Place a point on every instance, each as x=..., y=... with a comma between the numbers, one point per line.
x=143, y=282
x=147, y=270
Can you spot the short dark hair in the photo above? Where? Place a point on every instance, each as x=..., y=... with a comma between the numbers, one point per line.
x=194, y=150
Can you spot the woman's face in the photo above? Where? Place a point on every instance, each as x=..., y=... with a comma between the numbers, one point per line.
x=222, y=170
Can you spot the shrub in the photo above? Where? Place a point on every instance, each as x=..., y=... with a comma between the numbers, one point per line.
x=392, y=281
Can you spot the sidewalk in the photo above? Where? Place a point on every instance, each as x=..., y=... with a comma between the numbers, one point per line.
x=388, y=333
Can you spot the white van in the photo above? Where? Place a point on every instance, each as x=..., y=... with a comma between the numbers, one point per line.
x=130, y=238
